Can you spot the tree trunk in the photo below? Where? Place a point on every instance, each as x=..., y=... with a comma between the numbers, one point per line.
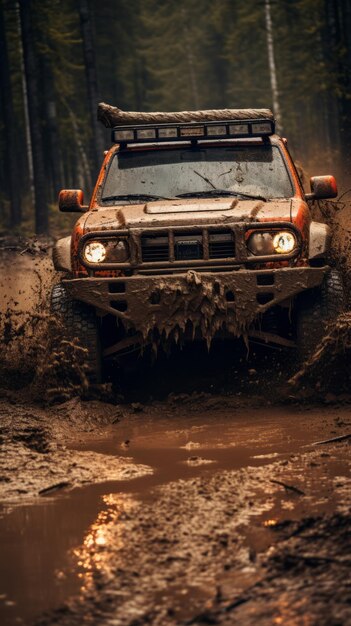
x=83, y=161
x=91, y=79
x=29, y=151
x=336, y=42
x=190, y=59
x=11, y=164
x=343, y=21
x=54, y=146
x=31, y=73
x=272, y=66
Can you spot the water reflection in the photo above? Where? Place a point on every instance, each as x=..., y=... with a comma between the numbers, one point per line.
x=108, y=527
x=292, y=614
x=270, y=523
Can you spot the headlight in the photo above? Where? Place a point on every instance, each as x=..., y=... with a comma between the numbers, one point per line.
x=264, y=244
x=112, y=251
x=284, y=242
x=118, y=251
x=95, y=252
x=261, y=244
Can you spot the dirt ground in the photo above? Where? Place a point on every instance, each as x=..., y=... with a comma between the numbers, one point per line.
x=204, y=490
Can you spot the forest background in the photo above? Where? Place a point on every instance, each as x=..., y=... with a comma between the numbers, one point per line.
x=59, y=58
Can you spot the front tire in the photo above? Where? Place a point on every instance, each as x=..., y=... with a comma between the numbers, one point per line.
x=315, y=309
x=81, y=322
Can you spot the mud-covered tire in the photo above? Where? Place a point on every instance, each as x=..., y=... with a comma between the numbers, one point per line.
x=315, y=309
x=81, y=322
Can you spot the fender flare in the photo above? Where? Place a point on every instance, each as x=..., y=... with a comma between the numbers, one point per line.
x=319, y=240
x=61, y=254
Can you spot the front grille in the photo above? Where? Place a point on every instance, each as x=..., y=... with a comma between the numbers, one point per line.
x=154, y=248
x=221, y=245
x=187, y=245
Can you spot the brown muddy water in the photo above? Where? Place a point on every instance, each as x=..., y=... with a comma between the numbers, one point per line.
x=42, y=544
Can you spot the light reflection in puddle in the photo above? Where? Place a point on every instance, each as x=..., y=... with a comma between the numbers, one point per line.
x=270, y=523
x=91, y=555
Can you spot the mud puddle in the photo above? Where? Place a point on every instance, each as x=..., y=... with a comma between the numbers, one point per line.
x=179, y=447
x=46, y=547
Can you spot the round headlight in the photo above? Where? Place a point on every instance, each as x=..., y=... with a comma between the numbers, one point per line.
x=118, y=251
x=284, y=242
x=95, y=252
x=261, y=244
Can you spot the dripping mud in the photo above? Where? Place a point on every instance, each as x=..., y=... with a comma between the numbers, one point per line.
x=194, y=489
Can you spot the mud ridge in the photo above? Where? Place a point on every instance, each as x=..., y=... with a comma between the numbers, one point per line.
x=303, y=578
x=39, y=456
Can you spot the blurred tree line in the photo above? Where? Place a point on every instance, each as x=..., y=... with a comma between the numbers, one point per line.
x=59, y=58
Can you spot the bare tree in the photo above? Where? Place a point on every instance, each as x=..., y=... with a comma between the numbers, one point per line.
x=31, y=73
x=91, y=78
x=11, y=164
x=190, y=59
x=29, y=152
x=84, y=170
x=271, y=63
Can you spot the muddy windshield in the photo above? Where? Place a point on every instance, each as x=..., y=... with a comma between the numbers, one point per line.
x=253, y=170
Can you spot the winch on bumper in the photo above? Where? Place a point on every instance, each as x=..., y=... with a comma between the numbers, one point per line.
x=210, y=302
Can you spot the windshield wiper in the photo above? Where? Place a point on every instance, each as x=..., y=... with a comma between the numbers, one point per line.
x=207, y=180
x=221, y=192
x=136, y=196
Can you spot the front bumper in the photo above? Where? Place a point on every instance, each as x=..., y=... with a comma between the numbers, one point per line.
x=206, y=300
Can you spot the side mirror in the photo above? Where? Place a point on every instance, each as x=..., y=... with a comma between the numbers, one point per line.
x=71, y=201
x=322, y=187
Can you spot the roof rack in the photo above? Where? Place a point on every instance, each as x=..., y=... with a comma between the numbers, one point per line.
x=143, y=127
x=113, y=116
x=221, y=129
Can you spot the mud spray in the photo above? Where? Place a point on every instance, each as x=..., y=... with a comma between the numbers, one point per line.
x=36, y=359
x=38, y=362
x=327, y=371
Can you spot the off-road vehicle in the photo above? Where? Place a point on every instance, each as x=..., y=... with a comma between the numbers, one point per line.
x=198, y=228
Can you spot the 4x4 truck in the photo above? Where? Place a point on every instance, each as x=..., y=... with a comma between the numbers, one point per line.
x=198, y=228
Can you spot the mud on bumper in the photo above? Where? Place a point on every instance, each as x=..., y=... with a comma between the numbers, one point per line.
x=204, y=300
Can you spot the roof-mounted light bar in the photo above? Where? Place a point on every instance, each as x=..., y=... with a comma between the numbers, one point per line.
x=227, y=129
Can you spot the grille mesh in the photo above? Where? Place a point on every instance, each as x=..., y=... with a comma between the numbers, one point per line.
x=188, y=245
x=154, y=248
x=221, y=249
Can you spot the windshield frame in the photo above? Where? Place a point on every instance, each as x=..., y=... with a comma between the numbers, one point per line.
x=273, y=140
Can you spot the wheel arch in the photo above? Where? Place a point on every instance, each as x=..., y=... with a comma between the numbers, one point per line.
x=61, y=254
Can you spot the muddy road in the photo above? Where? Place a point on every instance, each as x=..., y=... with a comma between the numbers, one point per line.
x=202, y=511
x=202, y=489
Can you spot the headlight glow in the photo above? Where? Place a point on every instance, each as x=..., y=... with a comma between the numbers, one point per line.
x=94, y=252
x=109, y=251
x=263, y=243
x=284, y=242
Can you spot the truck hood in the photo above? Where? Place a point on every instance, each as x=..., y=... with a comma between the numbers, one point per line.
x=198, y=211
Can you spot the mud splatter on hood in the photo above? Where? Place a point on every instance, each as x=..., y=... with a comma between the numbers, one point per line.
x=191, y=211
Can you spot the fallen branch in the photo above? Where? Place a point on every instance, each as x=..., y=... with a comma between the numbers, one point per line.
x=288, y=487
x=331, y=440
x=311, y=559
x=55, y=487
